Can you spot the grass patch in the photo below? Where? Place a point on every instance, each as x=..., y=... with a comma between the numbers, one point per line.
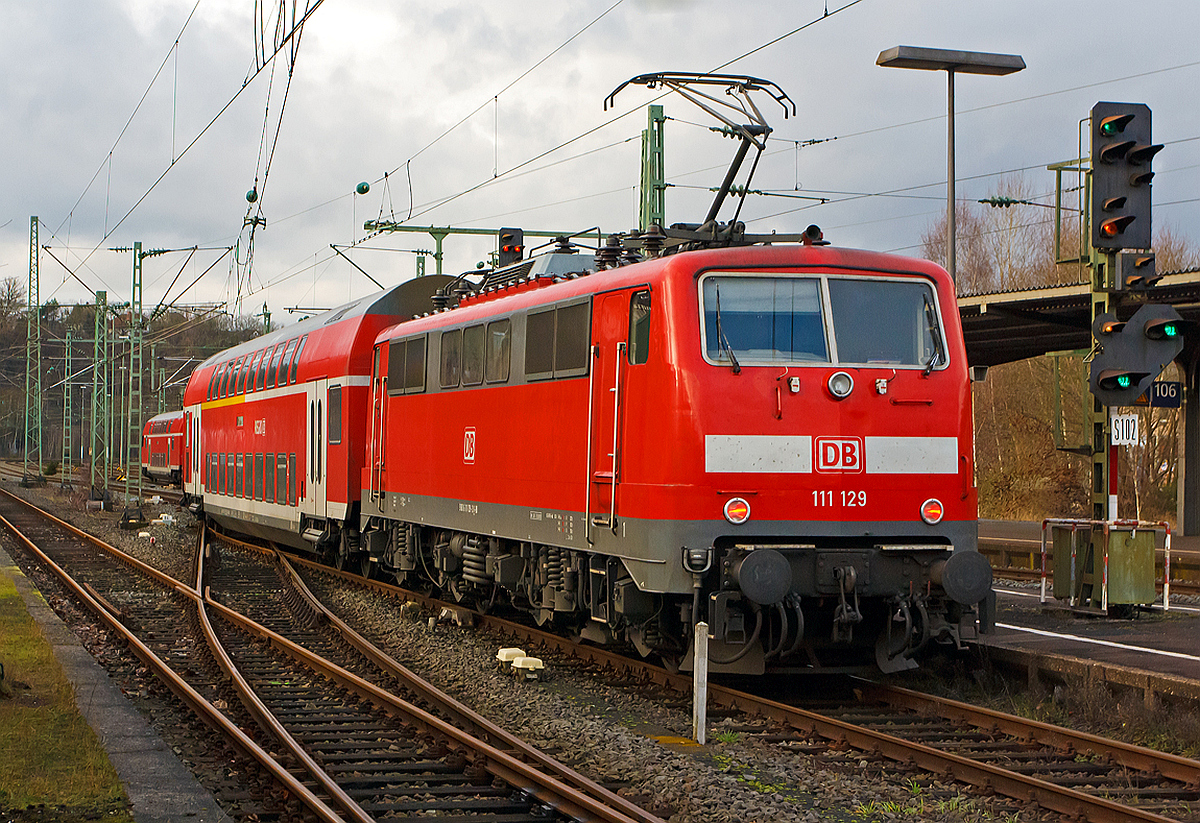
x=49, y=755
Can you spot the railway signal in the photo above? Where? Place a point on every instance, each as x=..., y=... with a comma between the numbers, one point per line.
x=1121, y=175
x=512, y=247
x=1132, y=354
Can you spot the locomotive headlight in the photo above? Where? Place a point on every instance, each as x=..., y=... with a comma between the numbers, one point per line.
x=932, y=511
x=840, y=384
x=737, y=510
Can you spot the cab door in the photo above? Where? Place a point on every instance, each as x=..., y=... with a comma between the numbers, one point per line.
x=616, y=327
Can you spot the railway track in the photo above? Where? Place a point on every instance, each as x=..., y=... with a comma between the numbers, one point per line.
x=1076, y=775
x=328, y=737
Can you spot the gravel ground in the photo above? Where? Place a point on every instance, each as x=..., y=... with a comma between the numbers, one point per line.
x=608, y=732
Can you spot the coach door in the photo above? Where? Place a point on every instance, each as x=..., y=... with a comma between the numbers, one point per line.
x=608, y=381
x=315, y=468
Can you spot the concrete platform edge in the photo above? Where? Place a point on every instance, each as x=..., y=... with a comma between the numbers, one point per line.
x=1153, y=686
x=160, y=788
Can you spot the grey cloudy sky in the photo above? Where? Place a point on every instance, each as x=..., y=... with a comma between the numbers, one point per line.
x=425, y=93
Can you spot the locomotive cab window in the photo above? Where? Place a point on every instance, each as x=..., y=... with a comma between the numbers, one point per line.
x=639, y=328
x=886, y=322
x=763, y=320
x=861, y=321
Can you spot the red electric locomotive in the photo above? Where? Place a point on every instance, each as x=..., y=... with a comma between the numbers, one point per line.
x=162, y=448
x=776, y=440
x=696, y=425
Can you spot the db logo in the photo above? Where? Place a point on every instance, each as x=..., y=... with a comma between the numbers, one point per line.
x=839, y=454
x=469, y=446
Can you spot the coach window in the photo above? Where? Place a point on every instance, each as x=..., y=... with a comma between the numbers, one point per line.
x=220, y=473
x=224, y=380
x=335, y=415
x=253, y=371
x=261, y=376
x=499, y=350
x=296, y=359
x=240, y=380
x=238, y=475
x=281, y=479
x=248, y=489
x=639, y=328
x=212, y=381
x=451, y=358
x=287, y=362
x=269, y=491
x=230, y=475
x=472, y=355
x=290, y=469
x=258, y=476
x=273, y=370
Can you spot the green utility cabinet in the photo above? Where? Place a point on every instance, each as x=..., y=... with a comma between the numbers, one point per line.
x=1098, y=565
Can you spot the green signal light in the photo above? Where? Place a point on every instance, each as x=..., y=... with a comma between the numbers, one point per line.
x=1124, y=381
x=1170, y=330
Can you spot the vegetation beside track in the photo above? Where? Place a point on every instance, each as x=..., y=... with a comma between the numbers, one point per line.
x=52, y=767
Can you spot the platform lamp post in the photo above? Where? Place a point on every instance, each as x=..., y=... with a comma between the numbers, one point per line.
x=951, y=62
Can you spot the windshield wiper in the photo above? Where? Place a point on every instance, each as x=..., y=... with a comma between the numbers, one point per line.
x=932, y=327
x=722, y=340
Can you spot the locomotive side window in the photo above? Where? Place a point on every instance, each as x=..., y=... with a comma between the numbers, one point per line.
x=414, y=365
x=296, y=359
x=539, y=344
x=451, y=358
x=557, y=341
x=571, y=341
x=639, y=328
x=888, y=322
x=335, y=415
x=472, y=355
x=499, y=350
x=763, y=320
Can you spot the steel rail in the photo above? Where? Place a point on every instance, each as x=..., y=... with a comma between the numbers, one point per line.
x=265, y=718
x=1062, y=800
x=521, y=775
x=1171, y=766
x=180, y=687
x=463, y=714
